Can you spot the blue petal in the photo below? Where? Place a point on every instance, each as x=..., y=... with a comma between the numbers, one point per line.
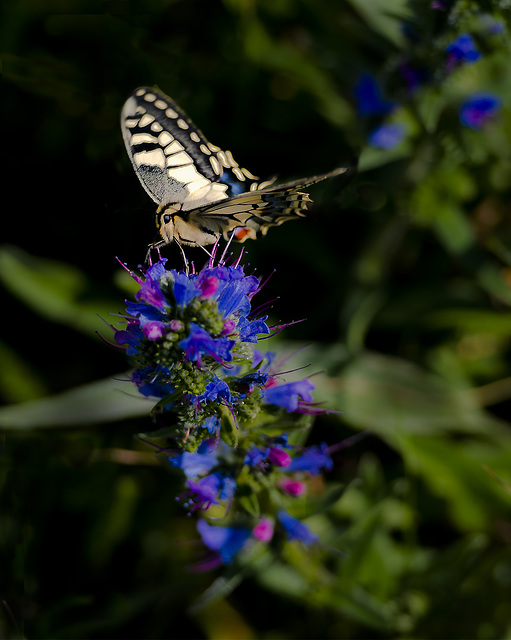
x=369, y=97
x=387, y=136
x=295, y=529
x=226, y=540
x=287, y=395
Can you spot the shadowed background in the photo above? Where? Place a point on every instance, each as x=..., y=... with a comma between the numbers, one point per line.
x=404, y=278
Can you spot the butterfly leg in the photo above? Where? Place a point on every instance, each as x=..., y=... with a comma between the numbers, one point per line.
x=155, y=245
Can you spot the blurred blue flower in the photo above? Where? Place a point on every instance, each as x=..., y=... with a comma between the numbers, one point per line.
x=369, y=97
x=295, y=529
x=288, y=395
x=478, y=110
x=212, y=424
x=387, y=136
x=208, y=491
x=463, y=49
x=225, y=541
x=314, y=460
x=197, y=463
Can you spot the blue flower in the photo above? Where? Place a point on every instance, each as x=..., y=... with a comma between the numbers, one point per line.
x=144, y=312
x=212, y=424
x=199, y=342
x=463, y=49
x=255, y=456
x=131, y=336
x=209, y=490
x=197, y=463
x=314, y=460
x=478, y=110
x=249, y=330
x=151, y=294
x=226, y=541
x=387, y=136
x=288, y=395
x=185, y=288
x=233, y=297
x=295, y=529
x=157, y=388
x=216, y=391
x=369, y=97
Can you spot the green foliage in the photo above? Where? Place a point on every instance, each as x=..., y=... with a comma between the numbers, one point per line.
x=404, y=278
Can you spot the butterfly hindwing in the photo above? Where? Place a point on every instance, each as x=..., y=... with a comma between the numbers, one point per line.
x=173, y=160
x=253, y=213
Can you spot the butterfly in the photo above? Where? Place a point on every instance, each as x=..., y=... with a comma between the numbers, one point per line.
x=200, y=190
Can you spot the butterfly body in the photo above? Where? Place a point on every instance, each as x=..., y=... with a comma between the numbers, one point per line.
x=201, y=191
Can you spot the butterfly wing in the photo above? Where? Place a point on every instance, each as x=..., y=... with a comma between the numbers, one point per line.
x=252, y=214
x=171, y=157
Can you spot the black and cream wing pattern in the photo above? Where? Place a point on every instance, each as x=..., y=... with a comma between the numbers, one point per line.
x=200, y=190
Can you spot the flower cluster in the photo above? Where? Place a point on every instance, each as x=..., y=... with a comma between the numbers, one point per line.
x=229, y=417
x=431, y=56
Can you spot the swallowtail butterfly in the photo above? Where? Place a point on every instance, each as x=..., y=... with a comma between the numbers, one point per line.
x=200, y=190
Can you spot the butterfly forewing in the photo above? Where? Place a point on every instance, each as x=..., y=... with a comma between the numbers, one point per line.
x=173, y=160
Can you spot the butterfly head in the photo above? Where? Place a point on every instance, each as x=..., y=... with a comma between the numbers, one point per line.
x=165, y=222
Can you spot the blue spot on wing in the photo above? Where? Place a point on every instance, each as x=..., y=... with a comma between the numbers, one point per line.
x=235, y=185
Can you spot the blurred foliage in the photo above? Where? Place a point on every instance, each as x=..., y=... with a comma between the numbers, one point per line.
x=405, y=279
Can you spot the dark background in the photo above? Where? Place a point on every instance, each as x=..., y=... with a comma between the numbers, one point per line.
x=403, y=277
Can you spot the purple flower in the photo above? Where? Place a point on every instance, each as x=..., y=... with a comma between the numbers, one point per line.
x=413, y=76
x=314, y=460
x=151, y=294
x=131, y=336
x=263, y=530
x=209, y=286
x=369, y=97
x=199, y=342
x=225, y=541
x=293, y=488
x=463, y=49
x=478, y=110
x=288, y=395
x=153, y=330
x=387, y=136
x=204, y=492
x=255, y=456
x=295, y=529
x=279, y=457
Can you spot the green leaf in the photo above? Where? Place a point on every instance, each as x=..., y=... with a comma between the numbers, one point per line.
x=53, y=290
x=390, y=396
x=18, y=381
x=95, y=403
x=455, y=475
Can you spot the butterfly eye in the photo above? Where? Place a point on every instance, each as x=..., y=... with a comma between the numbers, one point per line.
x=167, y=218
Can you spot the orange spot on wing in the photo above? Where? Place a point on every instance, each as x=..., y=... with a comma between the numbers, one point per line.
x=242, y=233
